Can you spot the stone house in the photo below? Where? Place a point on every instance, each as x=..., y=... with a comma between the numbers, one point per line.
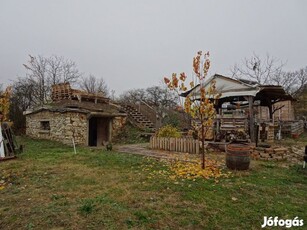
x=87, y=119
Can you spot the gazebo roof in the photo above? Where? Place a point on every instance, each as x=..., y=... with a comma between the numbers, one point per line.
x=231, y=89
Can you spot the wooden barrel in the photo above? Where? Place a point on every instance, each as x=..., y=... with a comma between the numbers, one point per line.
x=238, y=156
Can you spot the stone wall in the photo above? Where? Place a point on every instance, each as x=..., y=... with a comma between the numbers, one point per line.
x=117, y=125
x=292, y=154
x=63, y=127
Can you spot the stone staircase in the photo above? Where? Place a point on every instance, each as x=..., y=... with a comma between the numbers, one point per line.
x=138, y=119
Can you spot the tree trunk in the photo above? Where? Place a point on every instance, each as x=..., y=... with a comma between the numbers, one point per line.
x=203, y=146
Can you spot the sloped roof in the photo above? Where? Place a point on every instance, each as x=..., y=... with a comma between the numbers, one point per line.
x=228, y=87
x=63, y=106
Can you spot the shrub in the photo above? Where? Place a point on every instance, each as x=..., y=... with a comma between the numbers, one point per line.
x=168, y=131
x=129, y=135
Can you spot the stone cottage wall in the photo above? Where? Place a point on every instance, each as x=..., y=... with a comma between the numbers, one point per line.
x=63, y=126
x=118, y=124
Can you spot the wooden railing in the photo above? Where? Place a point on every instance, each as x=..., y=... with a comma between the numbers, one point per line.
x=186, y=145
x=146, y=110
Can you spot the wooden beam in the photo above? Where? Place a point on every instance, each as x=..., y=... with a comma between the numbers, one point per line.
x=110, y=126
x=251, y=118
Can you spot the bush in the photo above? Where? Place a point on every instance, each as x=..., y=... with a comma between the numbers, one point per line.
x=129, y=135
x=172, y=119
x=168, y=131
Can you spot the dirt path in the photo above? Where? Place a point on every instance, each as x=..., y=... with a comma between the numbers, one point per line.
x=142, y=149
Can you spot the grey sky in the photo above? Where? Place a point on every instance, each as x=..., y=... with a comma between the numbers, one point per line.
x=135, y=43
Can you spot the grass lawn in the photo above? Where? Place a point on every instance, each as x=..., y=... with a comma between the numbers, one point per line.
x=49, y=187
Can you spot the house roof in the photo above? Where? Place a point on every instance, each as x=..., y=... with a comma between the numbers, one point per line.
x=90, y=108
x=229, y=88
x=225, y=86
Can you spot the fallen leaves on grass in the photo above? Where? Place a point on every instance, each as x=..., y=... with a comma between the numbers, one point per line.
x=183, y=167
x=7, y=178
x=192, y=170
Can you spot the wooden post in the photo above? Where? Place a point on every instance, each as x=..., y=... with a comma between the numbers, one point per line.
x=110, y=129
x=151, y=142
x=73, y=143
x=251, y=118
x=2, y=153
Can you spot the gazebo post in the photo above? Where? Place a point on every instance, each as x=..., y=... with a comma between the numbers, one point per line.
x=251, y=118
x=270, y=106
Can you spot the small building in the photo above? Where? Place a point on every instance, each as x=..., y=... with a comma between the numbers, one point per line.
x=258, y=110
x=73, y=115
x=283, y=111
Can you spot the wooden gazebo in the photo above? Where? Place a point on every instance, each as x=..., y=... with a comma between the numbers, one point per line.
x=243, y=91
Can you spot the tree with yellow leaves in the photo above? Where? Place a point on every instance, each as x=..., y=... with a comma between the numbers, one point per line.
x=5, y=103
x=199, y=105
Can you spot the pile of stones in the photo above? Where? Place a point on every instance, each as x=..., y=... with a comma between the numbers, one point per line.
x=293, y=154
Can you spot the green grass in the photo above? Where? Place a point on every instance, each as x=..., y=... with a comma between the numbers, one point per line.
x=49, y=187
x=299, y=142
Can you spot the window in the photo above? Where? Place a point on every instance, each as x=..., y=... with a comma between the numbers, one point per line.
x=45, y=125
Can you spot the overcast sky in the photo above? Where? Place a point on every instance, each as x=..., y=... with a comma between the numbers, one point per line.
x=135, y=43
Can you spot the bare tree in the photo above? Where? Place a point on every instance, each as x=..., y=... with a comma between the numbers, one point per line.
x=262, y=71
x=92, y=84
x=22, y=94
x=132, y=96
x=287, y=80
x=293, y=82
x=301, y=83
x=159, y=96
x=155, y=96
x=43, y=72
x=21, y=100
x=61, y=70
x=70, y=72
x=37, y=76
x=55, y=69
x=270, y=71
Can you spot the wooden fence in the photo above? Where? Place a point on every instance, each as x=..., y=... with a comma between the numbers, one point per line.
x=289, y=128
x=187, y=145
